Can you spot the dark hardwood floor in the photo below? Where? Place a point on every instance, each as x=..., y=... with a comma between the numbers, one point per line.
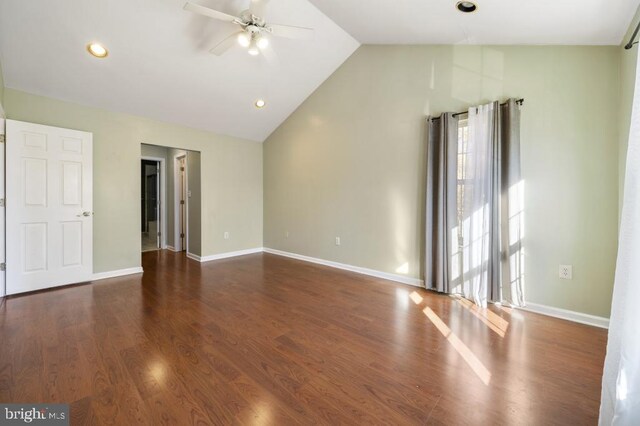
x=266, y=340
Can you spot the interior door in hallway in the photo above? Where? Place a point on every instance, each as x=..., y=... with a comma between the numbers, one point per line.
x=49, y=206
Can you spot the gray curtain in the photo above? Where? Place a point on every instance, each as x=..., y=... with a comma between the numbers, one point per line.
x=511, y=288
x=474, y=209
x=442, y=153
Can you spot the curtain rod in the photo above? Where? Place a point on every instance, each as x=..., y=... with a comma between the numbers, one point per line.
x=633, y=37
x=518, y=101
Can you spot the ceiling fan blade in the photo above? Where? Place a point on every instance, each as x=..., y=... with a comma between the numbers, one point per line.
x=225, y=44
x=257, y=7
x=288, y=31
x=196, y=8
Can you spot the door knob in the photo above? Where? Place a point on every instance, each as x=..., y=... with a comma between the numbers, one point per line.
x=85, y=214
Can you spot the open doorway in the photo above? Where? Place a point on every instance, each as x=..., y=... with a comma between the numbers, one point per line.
x=151, y=216
x=179, y=206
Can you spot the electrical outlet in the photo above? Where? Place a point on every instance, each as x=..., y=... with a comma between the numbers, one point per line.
x=286, y=234
x=226, y=235
x=337, y=241
x=566, y=272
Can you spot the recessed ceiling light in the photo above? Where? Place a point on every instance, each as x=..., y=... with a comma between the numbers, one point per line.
x=260, y=103
x=466, y=6
x=97, y=50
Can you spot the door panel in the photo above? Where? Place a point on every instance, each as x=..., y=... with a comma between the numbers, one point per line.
x=71, y=183
x=72, y=243
x=72, y=145
x=49, y=206
x=35, y=182
x=35, y=247
x=36, y=141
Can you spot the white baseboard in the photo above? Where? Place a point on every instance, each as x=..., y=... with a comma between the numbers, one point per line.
x=365, y=271
x=172, y=248
x=551, y=311
x=567, y=315
x=117, y=273
x=224, y=255
x=194, y=257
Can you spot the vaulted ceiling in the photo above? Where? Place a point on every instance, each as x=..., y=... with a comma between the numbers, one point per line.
x=159, y=65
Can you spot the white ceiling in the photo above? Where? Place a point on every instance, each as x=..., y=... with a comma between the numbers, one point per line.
x=158, y=64
x=589, y=22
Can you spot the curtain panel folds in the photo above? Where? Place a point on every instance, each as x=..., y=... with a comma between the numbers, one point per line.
x=442, y=152
x=474, y=205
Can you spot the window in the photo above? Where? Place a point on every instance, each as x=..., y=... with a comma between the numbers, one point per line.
x=465, y=180
x=464, y=186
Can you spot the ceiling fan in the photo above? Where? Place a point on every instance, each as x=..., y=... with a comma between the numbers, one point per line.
x=254, y=29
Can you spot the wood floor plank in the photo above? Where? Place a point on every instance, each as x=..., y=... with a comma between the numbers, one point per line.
x=262, y=339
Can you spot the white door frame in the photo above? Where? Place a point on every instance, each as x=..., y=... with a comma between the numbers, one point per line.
x=176, y=202
x=3, y=248
x=163, y=206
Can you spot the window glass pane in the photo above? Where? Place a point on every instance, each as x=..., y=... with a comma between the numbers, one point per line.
x=464, y=180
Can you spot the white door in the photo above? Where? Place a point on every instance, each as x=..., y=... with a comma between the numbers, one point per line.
x=49, y=206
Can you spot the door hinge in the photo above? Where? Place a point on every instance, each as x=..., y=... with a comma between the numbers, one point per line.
x=2, y=138
x=3, y=266
x=181, y=201
x=158, y=234
x=182, y=169
x=181, y=235
x=1, y=202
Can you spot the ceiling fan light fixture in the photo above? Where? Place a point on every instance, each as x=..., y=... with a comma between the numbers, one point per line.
x=244, y=39
x=252, y=28
x=262, y=42
x=466, y=6
x=260, y=103
x=253, y=48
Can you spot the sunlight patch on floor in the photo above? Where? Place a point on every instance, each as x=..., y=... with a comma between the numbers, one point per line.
x=476, y=365
x=492, y=320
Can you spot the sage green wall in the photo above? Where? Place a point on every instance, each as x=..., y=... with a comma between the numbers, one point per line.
x=349, y=161
x=154, y=151
x=231, y=170
x=628, y=61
